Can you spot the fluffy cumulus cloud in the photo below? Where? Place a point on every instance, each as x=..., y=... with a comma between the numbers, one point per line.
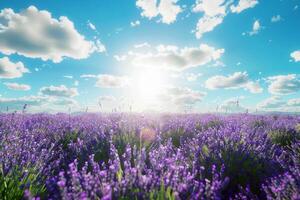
x=68, y=76
x=192, y=76
x=276, y=18
x=284, y=84
x=59, y=91
x=107, y=98
x=276, y=103
x=273, y=102
x=36, y=34
x=182, y=96
x=135, y=23
x=111, y=81
x=108, y=80
x=18, y=103
x=214, y=12
x=210, y=7
x=17, y=86
x=91, y=26
x=142, y=45
x=243, y=5
x=207, y=24
x=234, y=81
x=173, y=57
x=232, y=105
x=167, y=9
x=296, y=56
x=255, y=28
x=64, y=102
x=254, y=87
x=9, y=69
x=38, y=103
x=294, y=102
x=87, y=76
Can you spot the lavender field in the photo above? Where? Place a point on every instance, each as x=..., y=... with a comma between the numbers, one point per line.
x=134, y=156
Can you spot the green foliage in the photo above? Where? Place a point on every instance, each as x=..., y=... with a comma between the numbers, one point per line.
x=213, y=124
x=119, y=174
x=297, y=128
x=284, y=137
x=178, y=136
x=121, y=140
x=14, y=184
x=205, y=150
x=68, y=138
x=259, y=123
x=100, y=148
x=162, y=194
x=243, y=168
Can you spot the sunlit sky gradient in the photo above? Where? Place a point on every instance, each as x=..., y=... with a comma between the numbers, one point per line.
x=147, y=55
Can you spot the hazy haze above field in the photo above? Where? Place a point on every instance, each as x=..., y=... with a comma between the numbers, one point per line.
x=150, y=55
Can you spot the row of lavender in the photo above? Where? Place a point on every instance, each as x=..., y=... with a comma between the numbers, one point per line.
x=127, y=156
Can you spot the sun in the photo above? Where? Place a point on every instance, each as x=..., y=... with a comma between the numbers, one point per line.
x=148, y=85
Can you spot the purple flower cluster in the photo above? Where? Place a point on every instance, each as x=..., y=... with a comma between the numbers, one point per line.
x=133, y=156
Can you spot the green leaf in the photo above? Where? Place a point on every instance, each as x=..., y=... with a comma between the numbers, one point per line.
x=120, y=174
x=205, y=150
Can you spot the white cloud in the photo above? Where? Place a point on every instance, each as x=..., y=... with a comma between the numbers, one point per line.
x=59, y=91
x=35, y=34
x=64, y=102
x=149, y=8
x=255, y=28
x=135, y=23
x=284, y=84
x=167, y=9
x=120, y=58
x=100, y=47
x=68, y=76
x=232, y=105
x=214, y=12
x=38, y=103
x=88, y=76
x=107, y=98
x=9, y=70
x=142, y=45
x=234, y=81
x=218, y=64
x=296, y=56
x=254, y=87
x=273, y=102
x=91, y=26
x=238, y=79
x=193, y=77
x=17, y=86
x=276, y=103
x=19, y=103
x=207, y=24
x=182, y=96
x=173, y=58
x=294, y=102
x=76, y=83
x=210, y=7
x=243, y=5
x=276, y=18
x=111, y=81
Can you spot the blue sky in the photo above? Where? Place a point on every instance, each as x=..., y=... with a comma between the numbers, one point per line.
x=144, y=55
